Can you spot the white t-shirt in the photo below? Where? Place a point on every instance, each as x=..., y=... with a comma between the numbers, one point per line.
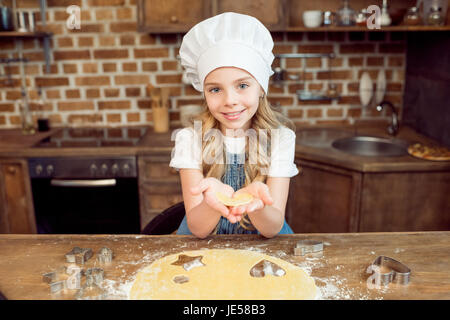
x=187, y=151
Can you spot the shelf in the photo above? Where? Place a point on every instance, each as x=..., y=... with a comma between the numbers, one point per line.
x=15, y=34
x=365, y=29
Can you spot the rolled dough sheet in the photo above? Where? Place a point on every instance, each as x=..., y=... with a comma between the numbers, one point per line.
x=224, y=275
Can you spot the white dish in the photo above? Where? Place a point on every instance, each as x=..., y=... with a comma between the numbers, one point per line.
x=312, y=18
x=365, y=89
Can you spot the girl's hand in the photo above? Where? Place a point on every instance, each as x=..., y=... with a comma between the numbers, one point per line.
x=261, y=195
x=209, y=187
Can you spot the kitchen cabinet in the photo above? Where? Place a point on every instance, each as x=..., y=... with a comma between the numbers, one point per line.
x=16, y=205
x=178, y=16
x=171, y=15
x=326, y=198
x=270, y=12
x=159, y=186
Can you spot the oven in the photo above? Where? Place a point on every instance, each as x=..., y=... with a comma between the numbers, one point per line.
x=82, y=195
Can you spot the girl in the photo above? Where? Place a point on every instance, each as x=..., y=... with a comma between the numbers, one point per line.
x=228, y=57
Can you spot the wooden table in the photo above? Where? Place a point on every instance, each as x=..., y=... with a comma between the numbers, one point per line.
x=339, y=272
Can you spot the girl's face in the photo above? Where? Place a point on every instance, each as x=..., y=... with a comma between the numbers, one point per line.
x=232, y=96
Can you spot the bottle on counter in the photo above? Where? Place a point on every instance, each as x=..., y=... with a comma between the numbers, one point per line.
x=27, y=120
x=42, y=120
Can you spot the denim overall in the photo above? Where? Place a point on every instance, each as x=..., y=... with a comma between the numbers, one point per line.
x=235, y=177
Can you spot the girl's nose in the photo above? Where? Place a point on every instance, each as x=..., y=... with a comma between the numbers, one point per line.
x=230, y=98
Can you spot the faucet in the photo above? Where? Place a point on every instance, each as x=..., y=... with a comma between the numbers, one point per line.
x=394, y=125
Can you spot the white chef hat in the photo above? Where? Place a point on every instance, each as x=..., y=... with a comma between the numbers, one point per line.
x=227, y=40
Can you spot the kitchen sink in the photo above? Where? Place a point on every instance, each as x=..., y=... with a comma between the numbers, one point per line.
x=371, y=146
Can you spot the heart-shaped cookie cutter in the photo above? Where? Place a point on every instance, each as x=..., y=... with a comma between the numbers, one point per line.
x=390, y=270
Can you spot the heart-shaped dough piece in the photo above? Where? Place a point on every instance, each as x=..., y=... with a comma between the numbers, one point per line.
x=238, y=200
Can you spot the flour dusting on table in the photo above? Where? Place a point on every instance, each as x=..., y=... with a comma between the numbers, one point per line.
x=333, y=287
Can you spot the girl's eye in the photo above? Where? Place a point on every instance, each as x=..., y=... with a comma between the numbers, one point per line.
x=214, y=90
x=243, y=86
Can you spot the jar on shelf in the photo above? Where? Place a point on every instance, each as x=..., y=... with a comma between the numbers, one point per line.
x=435, y=18
x=361, y=18
x=412, y=17
x=345, y=15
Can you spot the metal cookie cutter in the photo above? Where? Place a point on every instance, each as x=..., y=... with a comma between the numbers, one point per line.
x=79, y=255
x=105, y=255
x=94, y=274
x=54, y=279
x=307, y=246
x=91, y=290
x=390, y=270
x=63, y=278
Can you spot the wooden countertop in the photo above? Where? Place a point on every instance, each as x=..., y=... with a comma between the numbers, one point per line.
x=339, y=272
x=313, y=144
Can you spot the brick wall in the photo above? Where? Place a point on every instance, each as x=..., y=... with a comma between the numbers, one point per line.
x=99, y=74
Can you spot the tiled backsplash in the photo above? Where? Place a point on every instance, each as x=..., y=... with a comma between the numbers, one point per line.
x=99, y=74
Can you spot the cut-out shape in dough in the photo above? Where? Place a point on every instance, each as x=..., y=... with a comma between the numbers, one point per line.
x=265, y=267
x=180, y=279
x=188, y=262
x=224, y=276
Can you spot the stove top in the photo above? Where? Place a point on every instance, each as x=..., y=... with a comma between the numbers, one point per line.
x=94, y=137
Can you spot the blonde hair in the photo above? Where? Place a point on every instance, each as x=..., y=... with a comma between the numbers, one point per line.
x=265, y=118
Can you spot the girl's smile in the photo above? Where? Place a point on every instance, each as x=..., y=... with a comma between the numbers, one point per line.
x=232, y=96
x=233, y=115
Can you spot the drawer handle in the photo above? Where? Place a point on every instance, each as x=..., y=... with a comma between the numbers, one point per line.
x=173, y=19
x=11, y=170
x=83, y=183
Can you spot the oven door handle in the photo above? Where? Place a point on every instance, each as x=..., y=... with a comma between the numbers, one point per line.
x=83, y=183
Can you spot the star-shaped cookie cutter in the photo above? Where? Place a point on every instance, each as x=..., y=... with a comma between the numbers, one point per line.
x=188, y=262
x=63, y=278
x=92, y=290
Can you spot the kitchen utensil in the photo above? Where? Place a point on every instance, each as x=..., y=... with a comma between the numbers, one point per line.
x=381, y=87
x=79, y=255
x=160, y=108
x=390, y=270
x=307, y=246
x=365, y=89
x=312, y=18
